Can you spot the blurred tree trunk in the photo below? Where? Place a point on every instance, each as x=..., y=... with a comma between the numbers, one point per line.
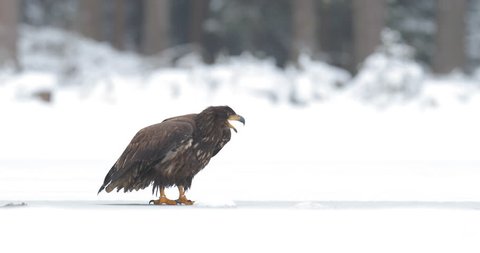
x=119, y=18
x=156, y=26
x=89, y=19
x=450, y=38
x=198, y=12
x=9, y=12
x=368, y=22
x=304, y=27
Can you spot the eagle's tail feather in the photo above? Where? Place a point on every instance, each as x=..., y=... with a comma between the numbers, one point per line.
x=101, y=189
x=129, y=179
x=108, y=179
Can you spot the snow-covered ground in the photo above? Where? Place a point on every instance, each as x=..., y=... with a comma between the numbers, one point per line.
x=380, y=165
x=118, y=228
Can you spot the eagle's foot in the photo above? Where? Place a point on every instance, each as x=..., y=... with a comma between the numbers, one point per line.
x=162, y=200
x=183, y=200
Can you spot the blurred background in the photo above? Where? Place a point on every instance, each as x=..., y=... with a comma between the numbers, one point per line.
x=444, y=34
x=332, y=91
x=410, y=39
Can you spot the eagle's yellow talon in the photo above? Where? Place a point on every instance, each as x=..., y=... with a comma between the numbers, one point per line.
x=182, y=199
x=162, y=200
x=185, y=201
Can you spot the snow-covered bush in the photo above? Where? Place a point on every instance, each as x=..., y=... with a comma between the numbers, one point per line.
x=315, y=80
x=54, y=61
x=389, y=74
x=77, y=60
x=96, y=69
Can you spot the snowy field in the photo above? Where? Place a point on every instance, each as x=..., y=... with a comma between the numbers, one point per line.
x=98, y=227
x=340, y=170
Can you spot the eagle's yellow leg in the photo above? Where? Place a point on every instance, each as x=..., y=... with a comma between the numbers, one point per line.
x=182, y=199
x=163, y=199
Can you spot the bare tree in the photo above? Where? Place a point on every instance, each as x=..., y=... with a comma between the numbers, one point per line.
x=368, y=22
x=304, y=27
x=198, y=12
x=119, y=17
x=450, y=38
x=89, y=19
x=156, y=26
x=8, y=32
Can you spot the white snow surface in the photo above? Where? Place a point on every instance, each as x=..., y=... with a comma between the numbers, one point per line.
x=334, y=172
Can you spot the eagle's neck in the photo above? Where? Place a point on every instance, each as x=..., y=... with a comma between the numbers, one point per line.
x=209, y=129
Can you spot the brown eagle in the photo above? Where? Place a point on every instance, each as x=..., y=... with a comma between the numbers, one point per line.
x=172, y=153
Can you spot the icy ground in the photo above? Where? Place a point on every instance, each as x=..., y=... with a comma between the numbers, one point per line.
x=342, y=170
x=130, y=227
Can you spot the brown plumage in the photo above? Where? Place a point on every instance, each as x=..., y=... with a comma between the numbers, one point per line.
x=171, y=153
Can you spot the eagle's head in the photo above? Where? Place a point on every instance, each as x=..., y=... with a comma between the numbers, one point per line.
x=220, y=116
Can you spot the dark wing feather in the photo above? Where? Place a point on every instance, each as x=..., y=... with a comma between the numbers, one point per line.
x=151, y=145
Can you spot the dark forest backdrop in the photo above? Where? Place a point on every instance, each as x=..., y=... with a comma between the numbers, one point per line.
x=445, y=33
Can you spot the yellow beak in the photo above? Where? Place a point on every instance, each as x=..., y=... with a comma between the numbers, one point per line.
x=237, y=118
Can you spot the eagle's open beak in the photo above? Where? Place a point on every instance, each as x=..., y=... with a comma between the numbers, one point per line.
x=237, y=118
